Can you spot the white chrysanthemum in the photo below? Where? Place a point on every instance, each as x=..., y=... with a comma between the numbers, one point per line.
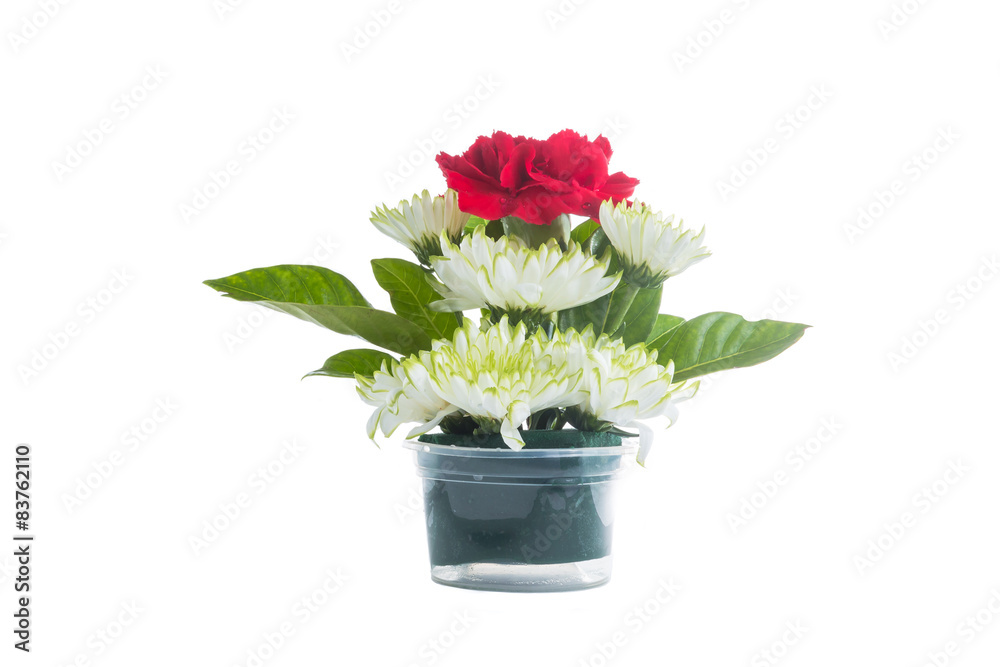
x=401, y=393
x=418, y=224
x=506, y=276
x=563, y=348
x=624, y=386
x=501, y=376
x=652, y=248
x=500, y=379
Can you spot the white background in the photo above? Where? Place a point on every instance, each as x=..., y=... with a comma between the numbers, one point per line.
x=783, y=247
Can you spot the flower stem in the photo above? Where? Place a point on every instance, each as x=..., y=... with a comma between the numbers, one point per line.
x=621, y=301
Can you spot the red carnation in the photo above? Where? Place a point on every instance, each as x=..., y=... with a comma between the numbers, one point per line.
x=534, y=180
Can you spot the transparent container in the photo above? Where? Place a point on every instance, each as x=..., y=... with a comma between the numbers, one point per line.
x=529, y=520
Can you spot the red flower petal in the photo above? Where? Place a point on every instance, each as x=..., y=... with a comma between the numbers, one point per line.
x=535, y=180
x=517, y=170
x=605, y=145
x=619, y=185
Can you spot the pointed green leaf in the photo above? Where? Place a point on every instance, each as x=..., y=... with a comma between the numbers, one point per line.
x=663, y=328
x=598, y=243
x=720, y=341
x=410, y=292
x=641, y=315
x=474, y=221
x=326, y=298
x=292, y=283
x=599, y=311
x=386, y=330
x=579, y=317
x=582, y=232
x=345, y=364
x=593, y=314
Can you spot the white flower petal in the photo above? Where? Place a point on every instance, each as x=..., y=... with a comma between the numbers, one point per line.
x=419, y=223
x=501, y=376
x=504, y=274
x=645, y=442
x=623, y=386
x=511, y=436
x=652, y=247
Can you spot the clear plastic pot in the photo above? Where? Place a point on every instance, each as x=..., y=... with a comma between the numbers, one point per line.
x=528, y=520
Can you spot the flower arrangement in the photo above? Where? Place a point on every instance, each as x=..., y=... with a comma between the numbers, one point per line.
x=513, y=319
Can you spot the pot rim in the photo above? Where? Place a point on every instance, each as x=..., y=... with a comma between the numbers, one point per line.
x=628, y=446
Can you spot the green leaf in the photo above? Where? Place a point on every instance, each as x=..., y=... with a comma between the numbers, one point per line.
x=641, y=315
x=494, y=229
x=410, y=292
x=474, y=221
x=720, y=341
x=599, y=311
x=323, y=297
x=662, y=329
x=639, y=306
x=536, y=236
x=621, y=301
x=345, y=364
x=582, y=232
x=594, y=314
x=597, y=244
x=378, y=327
x=292, y=283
